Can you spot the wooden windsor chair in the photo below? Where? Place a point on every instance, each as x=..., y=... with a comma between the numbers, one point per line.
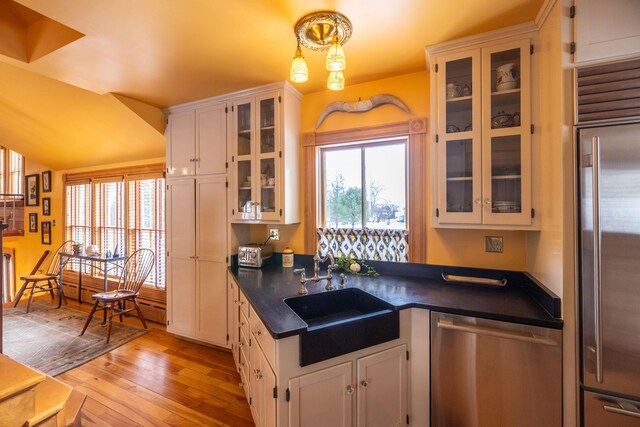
x=134, y=272
x=44, y=282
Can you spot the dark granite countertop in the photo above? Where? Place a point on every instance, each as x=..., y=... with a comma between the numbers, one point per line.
x=403, y=286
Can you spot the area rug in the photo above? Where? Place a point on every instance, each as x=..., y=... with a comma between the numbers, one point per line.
x=47, y=339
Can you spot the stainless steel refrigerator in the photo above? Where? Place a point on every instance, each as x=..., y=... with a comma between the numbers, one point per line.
x=609, y=158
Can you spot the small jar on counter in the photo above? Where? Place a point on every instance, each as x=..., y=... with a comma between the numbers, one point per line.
x=287, y=257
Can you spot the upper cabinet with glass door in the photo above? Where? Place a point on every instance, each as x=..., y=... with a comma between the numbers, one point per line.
x=483, y=136
x=506, y=134
x=265, y=148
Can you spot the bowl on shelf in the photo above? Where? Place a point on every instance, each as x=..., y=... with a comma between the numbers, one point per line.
x=502, y=120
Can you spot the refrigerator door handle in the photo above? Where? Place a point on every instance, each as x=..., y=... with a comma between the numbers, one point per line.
x=621, y=411
x=597, y=255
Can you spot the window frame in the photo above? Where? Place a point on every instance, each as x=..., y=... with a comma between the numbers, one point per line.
x=415, y=130
x=362, y=146
x=124, y=175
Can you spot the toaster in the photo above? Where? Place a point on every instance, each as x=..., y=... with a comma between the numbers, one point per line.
x=254, y=255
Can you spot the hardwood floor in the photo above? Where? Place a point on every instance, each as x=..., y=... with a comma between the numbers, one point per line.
x=159, y=380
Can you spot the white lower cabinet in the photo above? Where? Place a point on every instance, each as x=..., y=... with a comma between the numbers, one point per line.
x=263, y=382
x=366, y=388
x=326, y=397
x=382, y=388
x=322, y=398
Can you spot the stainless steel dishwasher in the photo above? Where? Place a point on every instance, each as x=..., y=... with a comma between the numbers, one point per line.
x=488, y=373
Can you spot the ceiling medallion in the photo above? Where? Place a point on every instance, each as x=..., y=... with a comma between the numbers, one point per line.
x=316, y=30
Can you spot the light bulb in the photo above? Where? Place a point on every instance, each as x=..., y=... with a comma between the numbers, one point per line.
x=335, y=80
x=336, y=61
x=299, y=71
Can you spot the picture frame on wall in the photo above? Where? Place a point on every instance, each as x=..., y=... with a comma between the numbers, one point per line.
x=46, y=206
x=46, y=181
x=46, y=232
x=32, y=190
x=33, y=222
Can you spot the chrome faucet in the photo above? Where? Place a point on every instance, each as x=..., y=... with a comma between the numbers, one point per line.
x=317, y=259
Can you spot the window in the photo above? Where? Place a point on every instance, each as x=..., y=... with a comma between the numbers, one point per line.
x=364, y=200
x=11, y=171
x=16, y=173
x=364, y=185
x=410, y=243
x=125, y=211
x=146, y=223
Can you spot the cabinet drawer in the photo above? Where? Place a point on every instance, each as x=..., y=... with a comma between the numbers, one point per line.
x=244, y=326
x=262, y=336
x=244, y=362
x=244, y=305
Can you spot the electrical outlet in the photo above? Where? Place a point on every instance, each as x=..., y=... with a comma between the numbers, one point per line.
x=493, y=244
x=274, y=233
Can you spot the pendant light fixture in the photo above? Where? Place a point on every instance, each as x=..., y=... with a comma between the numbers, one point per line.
x=299, y=71
x=335, y=80
x=336, y=60
x=322, y=31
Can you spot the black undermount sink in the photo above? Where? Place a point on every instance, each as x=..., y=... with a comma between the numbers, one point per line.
x=342, y=321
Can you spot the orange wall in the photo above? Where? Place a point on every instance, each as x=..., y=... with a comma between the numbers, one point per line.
x=29, y=248
x=446, y=247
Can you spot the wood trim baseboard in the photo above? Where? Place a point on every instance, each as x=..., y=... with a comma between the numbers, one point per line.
x=416, y=132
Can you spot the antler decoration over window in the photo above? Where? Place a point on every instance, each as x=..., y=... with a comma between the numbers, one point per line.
x=361, y=106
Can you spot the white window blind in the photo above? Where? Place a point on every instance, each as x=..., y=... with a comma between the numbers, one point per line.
x=146, y=223
x=124, y=209
x=78, y=213
x=16, y=174
x=109, y=216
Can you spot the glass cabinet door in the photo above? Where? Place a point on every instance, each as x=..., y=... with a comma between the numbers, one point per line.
x=458, y=138
x=506, y=124
x=268, y=179
x=244, y=164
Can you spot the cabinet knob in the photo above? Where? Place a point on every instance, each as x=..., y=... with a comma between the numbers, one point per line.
x=349, y=390
x=258, y=333
x=478, y=201
x=364, y=383
x=487, y=201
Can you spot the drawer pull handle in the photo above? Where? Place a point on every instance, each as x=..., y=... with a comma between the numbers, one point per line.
x=451, y=278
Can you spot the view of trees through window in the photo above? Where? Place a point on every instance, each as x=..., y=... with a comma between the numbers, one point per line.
x=365, y=185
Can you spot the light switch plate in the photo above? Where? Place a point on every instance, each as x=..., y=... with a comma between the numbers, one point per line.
x=493, y=244
x=274, y=233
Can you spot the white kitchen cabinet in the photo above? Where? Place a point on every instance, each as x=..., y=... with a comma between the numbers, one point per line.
x=196, y=258
x=265, y=156
x=233, y=300
x=483, y=136
x=322, y=398
x=379, y=388
x=382, y=388
x=263, y=383
x=197, y=140
x=606, y=29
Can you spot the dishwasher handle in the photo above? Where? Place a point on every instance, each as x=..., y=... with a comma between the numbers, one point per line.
x=529, y=337
x=621, y=411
